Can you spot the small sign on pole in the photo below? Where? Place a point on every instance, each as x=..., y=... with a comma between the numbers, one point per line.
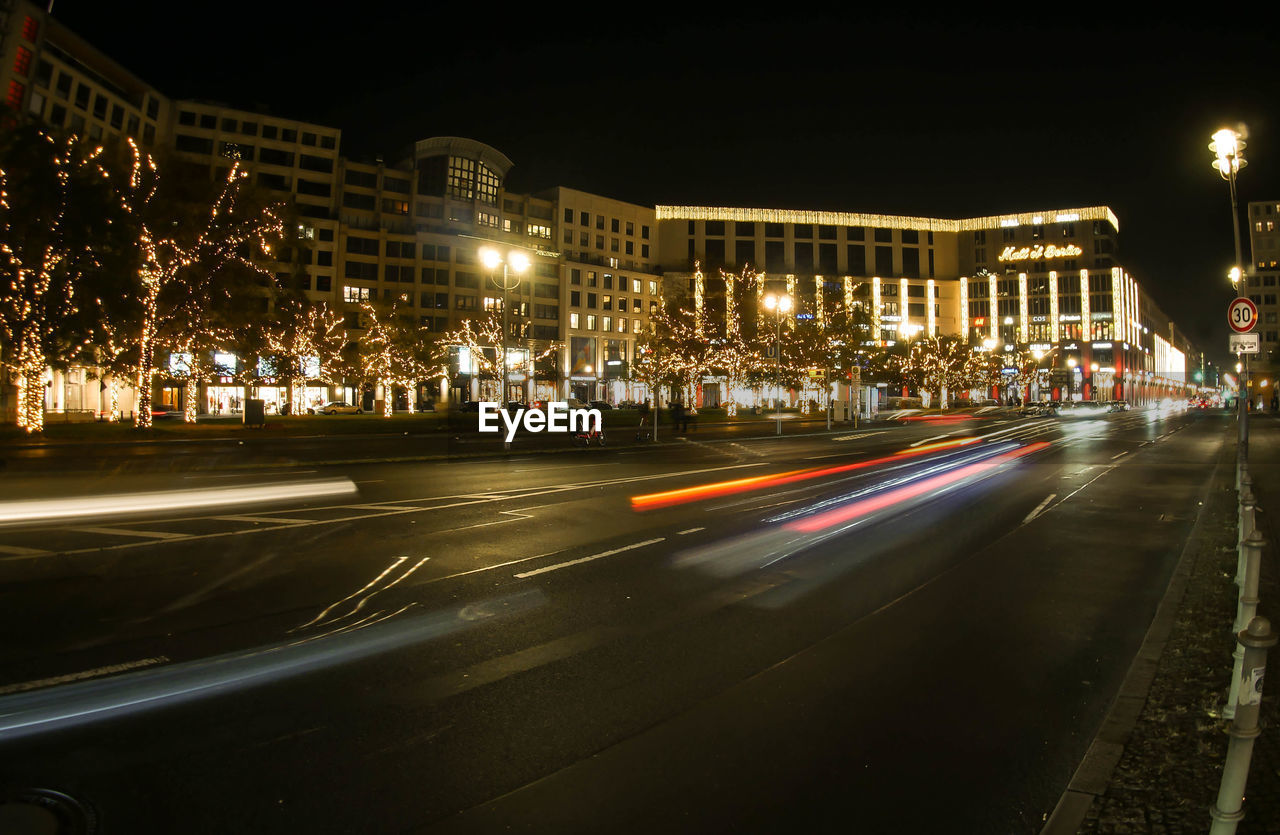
x=1242, y=315
x=1244, y=343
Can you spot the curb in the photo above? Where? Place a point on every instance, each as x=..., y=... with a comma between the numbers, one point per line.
x=1093, y=775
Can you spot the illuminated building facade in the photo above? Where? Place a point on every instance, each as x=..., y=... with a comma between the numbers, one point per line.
x=404, y=231
x=1046, y=281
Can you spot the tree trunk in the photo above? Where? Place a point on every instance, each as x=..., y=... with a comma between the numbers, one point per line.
x=190, y=407
x=146, y=356
x=31, y=362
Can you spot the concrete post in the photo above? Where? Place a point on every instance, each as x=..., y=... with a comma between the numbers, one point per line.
x=1228, y=810
x=1251, y=552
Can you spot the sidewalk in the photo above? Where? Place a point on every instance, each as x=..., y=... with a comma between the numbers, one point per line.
x=1156, y=763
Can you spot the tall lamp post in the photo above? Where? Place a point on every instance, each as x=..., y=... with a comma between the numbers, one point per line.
x=514, y=265
x=780, y=306
x=1228, y=149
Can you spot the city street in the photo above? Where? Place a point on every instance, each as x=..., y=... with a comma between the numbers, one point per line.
x=888, y=629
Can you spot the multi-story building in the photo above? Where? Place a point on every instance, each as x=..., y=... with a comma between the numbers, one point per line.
x=1045, y=281
x=1261, y=279
x=608, y=252
x=410, y=231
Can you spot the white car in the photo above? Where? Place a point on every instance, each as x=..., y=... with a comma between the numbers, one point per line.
x=338, y=407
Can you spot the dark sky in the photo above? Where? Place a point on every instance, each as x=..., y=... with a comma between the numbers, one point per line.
x=983, y=112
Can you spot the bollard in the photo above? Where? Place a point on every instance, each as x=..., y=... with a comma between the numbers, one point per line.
x=1248, y=523
x=1246, y=608
x=1228, y=811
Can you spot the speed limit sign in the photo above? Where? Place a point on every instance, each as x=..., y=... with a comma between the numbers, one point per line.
x=1242, y=315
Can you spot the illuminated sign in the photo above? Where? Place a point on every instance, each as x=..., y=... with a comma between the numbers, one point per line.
x=1035, y=253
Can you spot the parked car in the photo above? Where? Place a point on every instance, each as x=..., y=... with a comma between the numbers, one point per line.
x=599, y=404
x=338, y=407
x=1117, y=406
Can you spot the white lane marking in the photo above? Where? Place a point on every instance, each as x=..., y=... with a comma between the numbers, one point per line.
x=387, y=506
x=1114, y=457
x=279, y=520
x=277, y=473
x=691, y=530
x=854, y=437
x=94, y=673
x=399, y=561
x=930, y=440
x=1033, y=514
x=24, y=552
x=491, y=567
x=124, y=532
x=1105, y=470
x=558, y=566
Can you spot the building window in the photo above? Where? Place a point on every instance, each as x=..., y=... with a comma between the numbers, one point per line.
x=539, y=231
x=30, y=28
x=17, y=91
x=356, y=294
x=22, y=61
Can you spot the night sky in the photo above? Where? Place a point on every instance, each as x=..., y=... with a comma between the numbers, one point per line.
x=978, y=113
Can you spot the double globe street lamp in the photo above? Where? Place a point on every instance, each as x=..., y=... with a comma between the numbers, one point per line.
x=780, y=306
x=514, y=265
x=1228, y=150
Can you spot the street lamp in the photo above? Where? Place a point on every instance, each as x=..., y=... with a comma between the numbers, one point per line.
x=1228, y=150
x=514, y=265
x=780, y=305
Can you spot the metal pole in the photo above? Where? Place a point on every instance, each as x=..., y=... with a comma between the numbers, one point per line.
x=1244, y=377
x=777, y=362
x=1228, y=811
x=1247, y=607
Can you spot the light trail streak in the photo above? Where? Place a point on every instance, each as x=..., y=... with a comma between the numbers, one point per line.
x=840, y=515
x=44, y=710
x=34, y=510
x=718, y=489
x=790, y=533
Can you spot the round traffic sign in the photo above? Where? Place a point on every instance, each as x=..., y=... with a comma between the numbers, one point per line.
x=1242, y=315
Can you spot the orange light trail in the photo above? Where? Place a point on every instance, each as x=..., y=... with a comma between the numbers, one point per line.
x=667, y=498
x=870, y=505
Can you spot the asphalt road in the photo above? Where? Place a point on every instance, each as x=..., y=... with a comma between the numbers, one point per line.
x=895, y=629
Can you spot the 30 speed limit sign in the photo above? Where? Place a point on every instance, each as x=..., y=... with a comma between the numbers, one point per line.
x=1242, y=315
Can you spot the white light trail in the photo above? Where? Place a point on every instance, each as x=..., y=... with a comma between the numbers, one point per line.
x=34, y=510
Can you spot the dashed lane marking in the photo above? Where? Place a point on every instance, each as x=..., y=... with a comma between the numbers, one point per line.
x=1033, y=514
x=581, y=560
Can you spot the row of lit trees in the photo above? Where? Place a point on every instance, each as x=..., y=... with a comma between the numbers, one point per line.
x=107, y=264
x=744, y=346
